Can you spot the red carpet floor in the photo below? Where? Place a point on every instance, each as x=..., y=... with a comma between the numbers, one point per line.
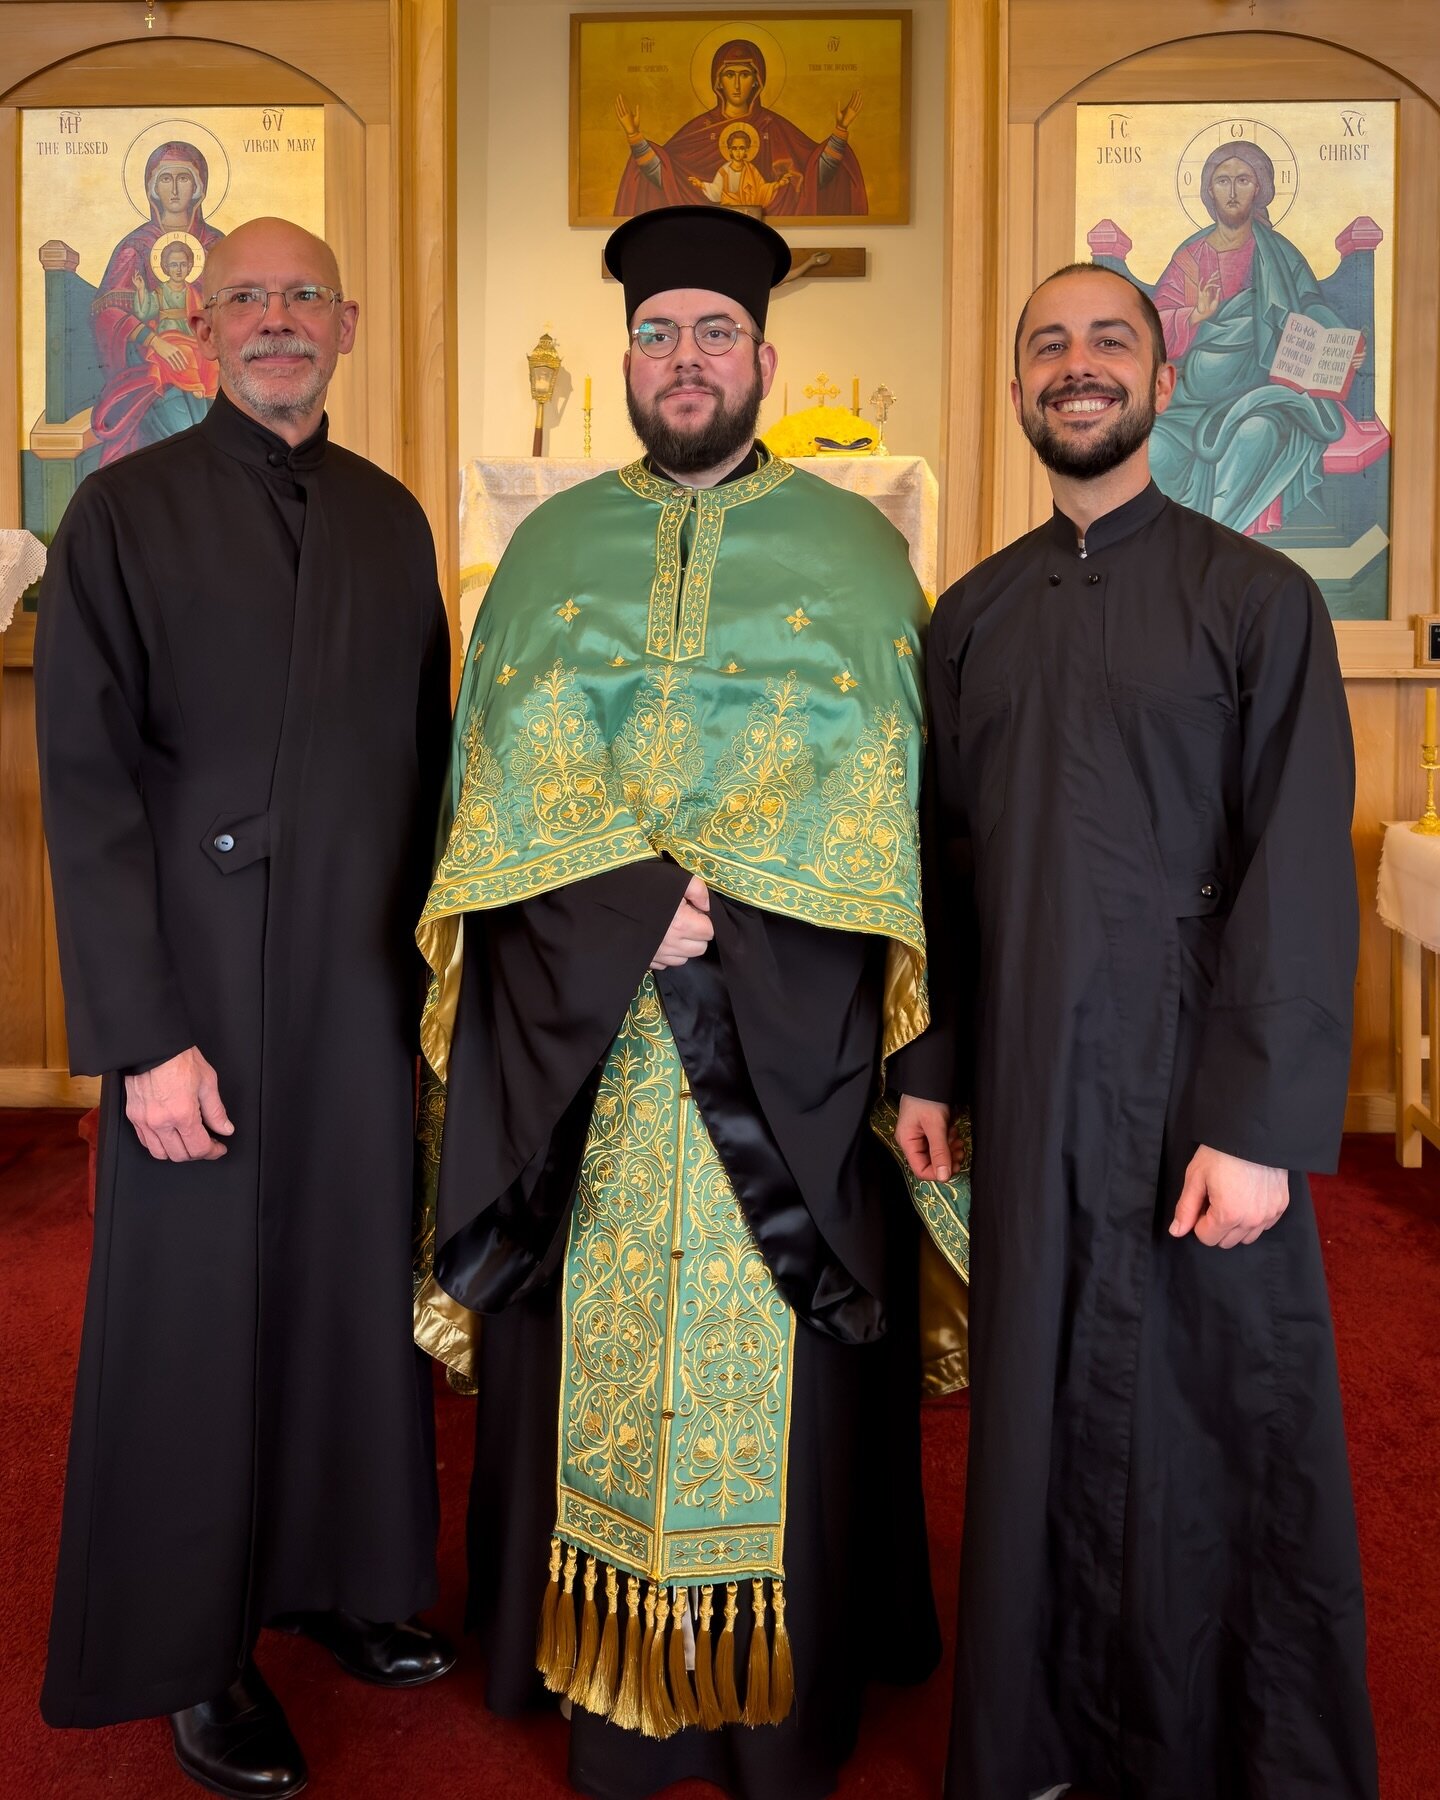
x=1381, y=1229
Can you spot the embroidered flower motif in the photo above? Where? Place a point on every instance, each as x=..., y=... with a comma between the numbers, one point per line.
x=845, y=681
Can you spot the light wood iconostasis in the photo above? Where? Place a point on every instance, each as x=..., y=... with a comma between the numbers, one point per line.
x=1018, y=71
x=383, y=71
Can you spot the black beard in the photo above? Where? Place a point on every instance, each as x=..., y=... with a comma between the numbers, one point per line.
x=1102, y=451
x=729, y=430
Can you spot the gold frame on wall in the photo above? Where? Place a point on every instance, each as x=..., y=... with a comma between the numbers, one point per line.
x=659, y=64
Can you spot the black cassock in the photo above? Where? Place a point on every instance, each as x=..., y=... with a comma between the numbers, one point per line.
x=1143, y=776
x=779, y=1029
x=242, y=686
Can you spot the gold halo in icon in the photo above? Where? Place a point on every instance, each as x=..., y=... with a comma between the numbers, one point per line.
x=162, y=244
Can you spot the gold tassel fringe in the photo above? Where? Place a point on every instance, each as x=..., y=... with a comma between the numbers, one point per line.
x=707, y=1702
x=600, y=1696
x=658, y=1718
x=782, y=1661
x=545, y=1631
x=626, y=1711
x=725, y=1689
x=562, y=1665
x=589, y=1637
x=757, y=1680
x=646, y=1686
x=681, y=1693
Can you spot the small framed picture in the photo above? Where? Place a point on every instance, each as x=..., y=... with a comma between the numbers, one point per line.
x=1427, y=640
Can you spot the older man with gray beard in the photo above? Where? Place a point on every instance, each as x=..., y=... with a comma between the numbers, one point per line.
x=242, y=678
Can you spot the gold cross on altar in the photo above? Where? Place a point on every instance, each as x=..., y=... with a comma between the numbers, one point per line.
x=822, y=390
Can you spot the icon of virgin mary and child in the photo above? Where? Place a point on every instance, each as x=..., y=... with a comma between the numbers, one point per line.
x=764, y=161
x=156, y=382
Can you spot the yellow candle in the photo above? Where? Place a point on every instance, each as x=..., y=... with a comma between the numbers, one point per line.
x=855, y=393
x=1430, y=717
x=785, y=398
x=587, y=393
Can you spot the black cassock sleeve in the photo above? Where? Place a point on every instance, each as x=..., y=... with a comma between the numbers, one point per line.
x=939, y=1064
x=1271, y=1078
x=123, y=1006
x=546, y=985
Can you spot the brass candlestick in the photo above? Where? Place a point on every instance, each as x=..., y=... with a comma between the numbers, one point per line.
x=1428, y=824
x=586, y=450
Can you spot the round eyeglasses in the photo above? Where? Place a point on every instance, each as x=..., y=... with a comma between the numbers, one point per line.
x=310, y=297
x=660, y=337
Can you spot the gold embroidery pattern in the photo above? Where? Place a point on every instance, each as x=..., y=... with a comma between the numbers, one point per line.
x=674, y=1410
x=568, y=611
x=798, y=620
x=665, y=588
x=902, y=648
x=864, y=840
x=477, y=839
x=506, y=675
x=561, y=757
x=763, y=777
x=658, y=754
x=683, y=637
x=845, y=681
x=730, y=1416
x=801, y=899
x=943, y=1206
x=616, y=1268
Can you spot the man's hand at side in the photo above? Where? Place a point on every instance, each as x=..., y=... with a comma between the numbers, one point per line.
x=922, y=1132
x=175, y=1108
x=690, y=930
x=1226, y=1201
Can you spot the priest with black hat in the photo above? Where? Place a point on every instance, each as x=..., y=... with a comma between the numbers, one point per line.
x=673, y=933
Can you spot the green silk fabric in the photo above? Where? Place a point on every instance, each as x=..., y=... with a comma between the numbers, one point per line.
x=675, y=1381
x=727, y=675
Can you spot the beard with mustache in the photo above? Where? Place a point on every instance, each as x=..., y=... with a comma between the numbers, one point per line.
x=690, y=450
x=262, y=400
x=1100, y=451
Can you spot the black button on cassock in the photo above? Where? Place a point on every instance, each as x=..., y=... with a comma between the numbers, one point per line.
x=224, y=842
x=1094, y=580
x=1054, y=581
x=1209, y=891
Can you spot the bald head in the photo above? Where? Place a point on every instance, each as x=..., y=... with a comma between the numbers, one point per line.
x=273, y=253
x=274, y=319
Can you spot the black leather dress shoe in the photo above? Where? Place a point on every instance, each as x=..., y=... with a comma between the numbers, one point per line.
x=239, y=1743
x=401, y=1655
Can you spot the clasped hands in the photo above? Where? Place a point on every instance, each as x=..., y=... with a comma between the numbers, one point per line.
x=1225, y=1200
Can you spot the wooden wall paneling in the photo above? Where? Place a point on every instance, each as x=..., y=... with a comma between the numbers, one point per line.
x=425, y=63
x=344, y=43
x=1374, y=719
x=170, y=72
x=349, y=399
x=385, y=395
x=976, y=218
x=22, y=901
x=1056, y=52
x=57, y=1050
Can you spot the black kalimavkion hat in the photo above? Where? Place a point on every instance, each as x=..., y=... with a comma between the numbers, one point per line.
x=711, y=247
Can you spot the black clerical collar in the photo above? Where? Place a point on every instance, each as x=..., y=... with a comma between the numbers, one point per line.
x=246, y=439
x=747, y=465
x=1111, y=527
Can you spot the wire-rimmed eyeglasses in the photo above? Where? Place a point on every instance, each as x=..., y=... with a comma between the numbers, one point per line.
x=713, y=336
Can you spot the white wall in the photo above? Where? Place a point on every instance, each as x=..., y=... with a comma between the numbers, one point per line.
x=524, y=270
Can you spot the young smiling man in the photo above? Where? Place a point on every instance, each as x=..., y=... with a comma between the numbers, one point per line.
x=683, y=855
x=1141, y=774
x=237, y=626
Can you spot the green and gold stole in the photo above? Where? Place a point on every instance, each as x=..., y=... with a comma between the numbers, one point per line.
x=727, y=676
